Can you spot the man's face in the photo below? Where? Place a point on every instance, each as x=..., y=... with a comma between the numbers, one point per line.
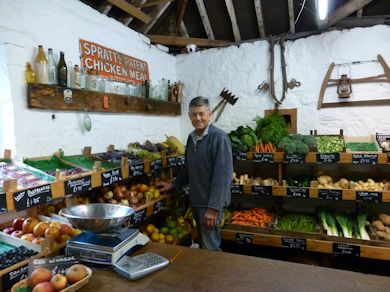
x=200, y=117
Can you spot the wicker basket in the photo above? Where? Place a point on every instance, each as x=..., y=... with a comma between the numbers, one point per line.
x=74, y=287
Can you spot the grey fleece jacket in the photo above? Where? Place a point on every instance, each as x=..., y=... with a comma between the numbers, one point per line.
x=208, y=171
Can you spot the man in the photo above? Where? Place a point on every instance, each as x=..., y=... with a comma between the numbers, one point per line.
x=208, y=171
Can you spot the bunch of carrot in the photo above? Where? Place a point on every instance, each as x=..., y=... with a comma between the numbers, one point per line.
x=265, y=147
x=258, y=217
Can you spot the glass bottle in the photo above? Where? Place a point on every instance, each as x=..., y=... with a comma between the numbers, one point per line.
x=41, y=67
x=29, y=74
x=76, y=77
x=62, y=71
x=91, y=80
x=52, y=69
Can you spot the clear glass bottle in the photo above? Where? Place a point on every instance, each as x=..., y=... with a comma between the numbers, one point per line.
x=52, y=69
x=92, y=80
x=62, y=71
x=83, y=76
x=29, y=74
x=41, y=67
x=76, y=77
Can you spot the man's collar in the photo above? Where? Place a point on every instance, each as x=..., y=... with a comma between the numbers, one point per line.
x=195, y=137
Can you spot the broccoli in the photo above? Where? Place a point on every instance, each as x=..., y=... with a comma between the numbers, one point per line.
x=309, y=140
x=301, y=148
x=296, y=137
x=283, y=143
x=291, y=148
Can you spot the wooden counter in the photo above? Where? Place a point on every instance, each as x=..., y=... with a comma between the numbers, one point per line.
x=201, y=270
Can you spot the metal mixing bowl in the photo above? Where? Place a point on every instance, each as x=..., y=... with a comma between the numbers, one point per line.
x=97, y=217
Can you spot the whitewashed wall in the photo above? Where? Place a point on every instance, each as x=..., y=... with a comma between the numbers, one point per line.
x=242, y=69
x=59, y=24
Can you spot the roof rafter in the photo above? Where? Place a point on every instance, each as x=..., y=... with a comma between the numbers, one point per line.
x=130, y=9
x=233, y=19
x=152, y=3
x=259, y=16
x=180, y=41
x=155, y=15
x=205, y=19
x=180, y=14
x=291, y=15
x=346, y=9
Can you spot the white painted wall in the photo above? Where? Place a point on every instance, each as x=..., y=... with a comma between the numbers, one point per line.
x=59, y=24
x=242, y=69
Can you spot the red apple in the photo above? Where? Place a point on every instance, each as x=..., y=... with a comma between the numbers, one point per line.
x=17, y=223
x=28, y=236
x=8, y=230
x=44, y=287
x=76, y=272
x=66, y=229
x=17, y=233
x=53, y=232
x=29, y=224
x=40, y=228
x=38, y=240
x=39, y=275
x=59, y=282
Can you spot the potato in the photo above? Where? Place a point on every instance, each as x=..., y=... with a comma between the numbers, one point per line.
x=322, y=180
x=344, y=183
x=370, y=181
x=378, y=225
x=384, y=218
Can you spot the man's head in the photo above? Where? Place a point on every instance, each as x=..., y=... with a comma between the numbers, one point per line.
x=199, y=113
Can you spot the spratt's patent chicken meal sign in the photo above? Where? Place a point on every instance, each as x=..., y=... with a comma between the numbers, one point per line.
x=112, y=64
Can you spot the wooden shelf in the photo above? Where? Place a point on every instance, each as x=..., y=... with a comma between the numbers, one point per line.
x=44, y=96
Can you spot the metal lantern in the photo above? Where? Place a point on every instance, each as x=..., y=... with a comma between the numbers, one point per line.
x=344, y=87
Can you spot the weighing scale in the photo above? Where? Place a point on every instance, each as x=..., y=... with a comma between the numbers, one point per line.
x=105, y=248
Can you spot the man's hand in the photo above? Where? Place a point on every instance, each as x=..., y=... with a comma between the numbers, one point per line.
x=164, y=186
x=210, y=218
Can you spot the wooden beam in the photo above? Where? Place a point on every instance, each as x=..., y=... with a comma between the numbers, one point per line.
x=359, y=13
x=233, y=19
x=130, y=9
x=180, y=15
x=107, y=9
x=291, y=15
x=343, y=11
x=205, y=19
x=183, y=30
x=152, y=3
x=126, y=21
x=259, y=16
x=156, y=14
x=181, y=42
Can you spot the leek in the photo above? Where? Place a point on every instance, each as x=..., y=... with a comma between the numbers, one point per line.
x=361, y=220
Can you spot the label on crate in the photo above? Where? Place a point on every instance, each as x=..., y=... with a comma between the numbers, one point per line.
x=326, y=194
x=11, y=278
x=111, y=176
x=237, y=189
x=241, y=156
x=244, y=238
x=78, y=186
x=263, y=157
x=137, y=169
x=155, y=165
x=361, y=158
x=158, y=207
x=371, y=197
x=57, y=265
x=294, y=243
x=346, y=249
x=324, y=158
x=296, y=192
x=138, y=217
x=261, y=190
x=294, y=158
x=181, y=160
x=171, y=161
x=32, y=197
x=3, y=203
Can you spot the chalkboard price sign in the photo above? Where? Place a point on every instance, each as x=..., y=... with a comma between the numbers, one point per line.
x=111, y=176
x=158, y=207
x=32, y=197
x=155, y=165
x=262, y=190
x=361, y=158
x=78, y=186
x=325, y=194
x=294, y=243
x=371, y=197
x=181, y=160
x=294, y=158
x=244, y=238
x=11, y=278
x=294, y=192
x=325, y=158
x=237, y=189
x=138, y=218
x=137, y=169
x=3, y=203
x=263, y=157
x=57, y=265
x=241, y=156
x=171, y=161
x=346, y=249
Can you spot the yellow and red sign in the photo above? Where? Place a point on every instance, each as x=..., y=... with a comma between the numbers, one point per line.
x=112, y=64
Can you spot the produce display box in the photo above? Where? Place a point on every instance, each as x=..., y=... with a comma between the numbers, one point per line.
x=383, y=141
x=367, y=139
x=340, y=135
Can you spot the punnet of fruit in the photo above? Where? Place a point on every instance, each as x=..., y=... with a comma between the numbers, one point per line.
x=171, y=232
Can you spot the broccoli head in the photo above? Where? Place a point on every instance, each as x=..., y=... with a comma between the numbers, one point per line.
x=301, y=148
x=291, y=147
x=309, y=140
x=296, y=137
x=284, y=142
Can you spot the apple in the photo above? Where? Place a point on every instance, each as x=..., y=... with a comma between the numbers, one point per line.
x=101, y=200
x=39, y=275
x=17, y=233
x=40, y=228
x=8, y=230
x=50, y=209
x=64, y=238
x=29, y=224
x=113, y=201
x=119, y=196
x=75, y=232
x=53, y=232
x=28, y=236
x=127, y=194
x=59, y=282
x=38, y=240
x=66, y=229
x=44, y=287
x=55, y=224
x=109, y=195
x=17, y=223
x=125, y=202
x=76, y=272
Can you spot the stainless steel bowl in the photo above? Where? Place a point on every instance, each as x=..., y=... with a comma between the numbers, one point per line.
x=97, y=217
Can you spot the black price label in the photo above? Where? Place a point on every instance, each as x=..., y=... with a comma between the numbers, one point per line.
x=371, y=197
x=361, y=158
x=78, y=186
x=294, y=192
x=156, y=165
x=346, y=249
x=32, y=197
x=237, y=189
x=138, y=218
x=261, y=190
x=325, y=194
x=11, y=278
x=294, y=243
x=244, y=238
x=57, y=265
x=111, y=176
x=294, y=158
x=171, y=161
x=137, y=169
x=181, y=160
x=263, y=157
x=158, y=207
x=325, y=158
x=3, y=203
x=241, y=156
